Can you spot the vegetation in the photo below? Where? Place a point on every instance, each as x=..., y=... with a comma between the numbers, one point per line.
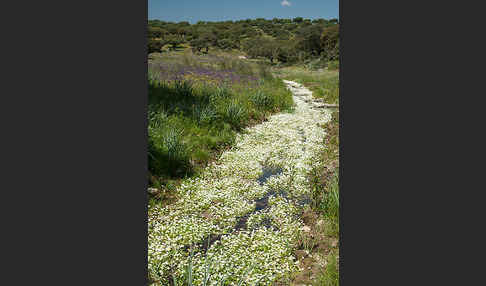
x=207, y=280
x=323, y=83
x=247, y=206
x=284, y=41
x=201, y=100
x=197, y=105
x=322, y=242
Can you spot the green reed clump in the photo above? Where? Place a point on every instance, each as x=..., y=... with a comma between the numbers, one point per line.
x=166, y=149
x=262, y=100
x=330, y=202
x=204, y=114
x=236, y=114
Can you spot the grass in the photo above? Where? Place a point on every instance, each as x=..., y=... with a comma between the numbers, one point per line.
x=326, y=202
x=324, y=83
x=330, y=275
x=197, y=105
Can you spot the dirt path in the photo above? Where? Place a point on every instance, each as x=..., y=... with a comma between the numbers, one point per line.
x=243, y=213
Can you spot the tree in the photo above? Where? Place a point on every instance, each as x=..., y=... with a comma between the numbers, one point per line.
x=310, y=39
x=174, y=41
x=334, y=21
x=154, y=46
x=262, y=47
x=226, y=44
x=319, y=21
x=281, y=34
x=208, y=39
x=197, y=44
x=288, y=53
x=329, y=42
x=155, y=32
x=298, y=20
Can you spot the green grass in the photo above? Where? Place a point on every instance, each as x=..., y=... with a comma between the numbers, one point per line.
x=330, y=275
x=190, y=122
x=324, y=84
x=329, y=206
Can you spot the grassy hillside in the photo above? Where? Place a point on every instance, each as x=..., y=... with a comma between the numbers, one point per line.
x=286, y=41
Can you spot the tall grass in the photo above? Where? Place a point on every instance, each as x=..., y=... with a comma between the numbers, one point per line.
x=330, y=275
x=236, y=114
x=167, y=151
x=330, y=205
x=262, y=100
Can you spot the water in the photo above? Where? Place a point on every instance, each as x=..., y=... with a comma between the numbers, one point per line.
x=268, y=172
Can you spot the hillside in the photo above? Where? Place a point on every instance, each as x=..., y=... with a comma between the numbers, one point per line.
x=279, y=40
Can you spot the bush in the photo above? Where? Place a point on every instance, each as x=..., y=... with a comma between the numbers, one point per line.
x=154, y=46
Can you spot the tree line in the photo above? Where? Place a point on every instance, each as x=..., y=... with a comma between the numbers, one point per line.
x=282, y=40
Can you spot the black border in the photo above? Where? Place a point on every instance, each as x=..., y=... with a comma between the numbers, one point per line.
x=76, y=143
x=76, y=134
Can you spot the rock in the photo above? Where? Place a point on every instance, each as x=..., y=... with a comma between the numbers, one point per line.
x=153, y=190
x=326, y=105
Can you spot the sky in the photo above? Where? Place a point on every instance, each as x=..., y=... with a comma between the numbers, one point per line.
x=223, y=10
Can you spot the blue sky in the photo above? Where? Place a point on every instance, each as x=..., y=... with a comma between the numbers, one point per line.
x=222, y=10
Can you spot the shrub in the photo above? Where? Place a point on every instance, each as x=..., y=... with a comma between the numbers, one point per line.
x=154, y=46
